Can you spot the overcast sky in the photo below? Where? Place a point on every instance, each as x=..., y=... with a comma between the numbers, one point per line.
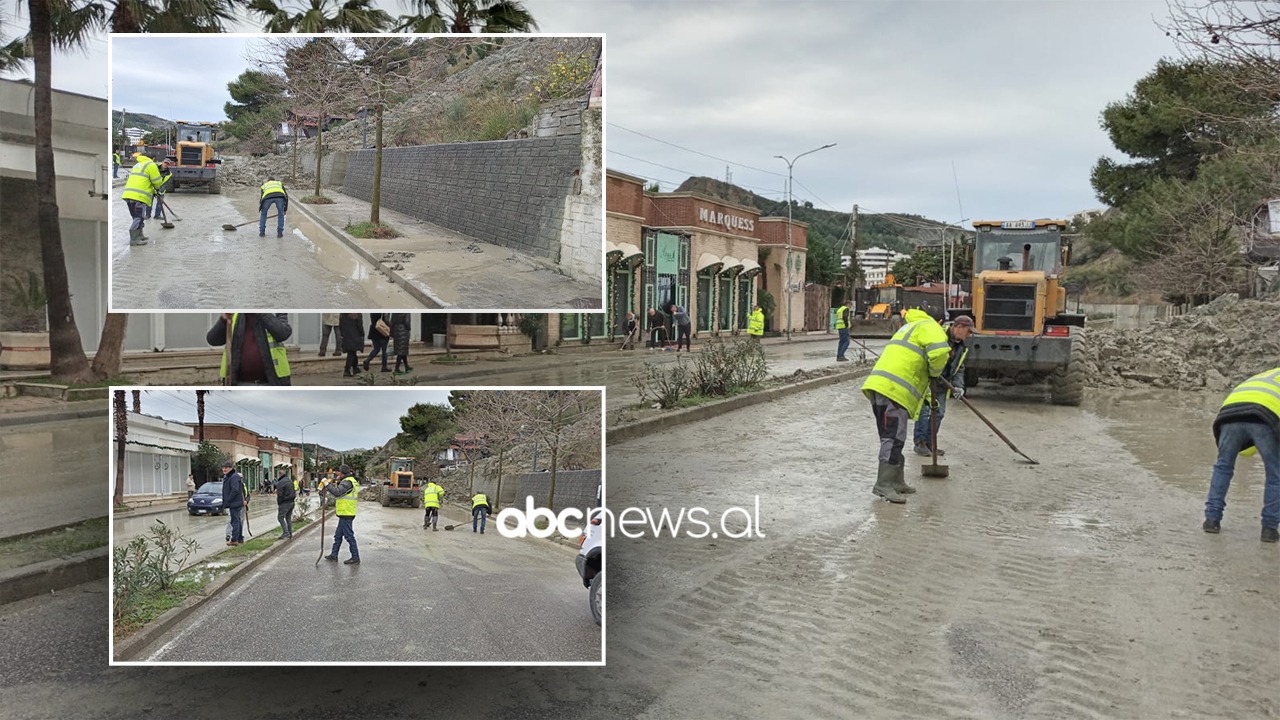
x=344, y=419
x=1010, y=92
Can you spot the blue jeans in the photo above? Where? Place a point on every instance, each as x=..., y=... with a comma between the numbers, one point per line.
x=115, y=170
x=345, y=531
x=480, y=513
x=926, y=417
x=844, y=342
x=278, y=204
x=1234, y=437
x=380, y=343
x=237, y=523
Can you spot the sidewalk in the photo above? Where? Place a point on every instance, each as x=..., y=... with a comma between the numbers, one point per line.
x=447, y=269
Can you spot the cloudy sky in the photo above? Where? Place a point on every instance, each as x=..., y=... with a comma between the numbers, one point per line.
x=344, y=419
x=1007, y=93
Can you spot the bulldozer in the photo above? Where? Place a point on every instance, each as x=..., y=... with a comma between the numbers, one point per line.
x=880, y=310
x=402, y=487
x=194, y=163
x=1023, y=333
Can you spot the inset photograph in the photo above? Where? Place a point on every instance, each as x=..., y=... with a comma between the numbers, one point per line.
x=396, y=171
x=405, y=526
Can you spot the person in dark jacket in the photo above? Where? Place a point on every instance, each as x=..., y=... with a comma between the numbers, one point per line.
x=234, y=501
x=401, y=326
x=379, y=341
x=257, y=354
x=683, y=327
x=351, y=327
x=285, y=497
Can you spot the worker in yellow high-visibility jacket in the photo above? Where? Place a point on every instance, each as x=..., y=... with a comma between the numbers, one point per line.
x=144, y=183
x=1248, y=423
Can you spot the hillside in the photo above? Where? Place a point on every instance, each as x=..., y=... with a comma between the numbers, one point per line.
x=473, y=96
x=828, y=229
x=138, y=120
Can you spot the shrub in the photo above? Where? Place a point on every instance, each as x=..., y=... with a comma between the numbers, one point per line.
x=148, y=565
x=369, y=230
x=565, y=77
x=663, y=384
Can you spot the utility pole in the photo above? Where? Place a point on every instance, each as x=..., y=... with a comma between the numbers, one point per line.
x=851, y=279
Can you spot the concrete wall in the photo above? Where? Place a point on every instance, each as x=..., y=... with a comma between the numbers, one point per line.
x=1126, y=316
x=574, y=488
x=564, y=118
x=507, y=192
x=581, y=244
x=333, y=165
x=82, y=159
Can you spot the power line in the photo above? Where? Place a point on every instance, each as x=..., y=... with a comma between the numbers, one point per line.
x=686, y=172
x=696, y=152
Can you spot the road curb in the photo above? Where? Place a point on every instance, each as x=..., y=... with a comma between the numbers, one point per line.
x=631, y=431
x=45, y=577
x=430, y=301
x=32, y=417
x=127, y=650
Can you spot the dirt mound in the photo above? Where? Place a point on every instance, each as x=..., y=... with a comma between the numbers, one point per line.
x=1212, y=347
x=246, y=170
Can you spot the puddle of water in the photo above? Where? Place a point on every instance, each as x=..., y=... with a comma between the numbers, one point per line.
x=1171, y=433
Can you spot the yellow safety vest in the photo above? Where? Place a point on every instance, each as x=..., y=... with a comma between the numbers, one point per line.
x=431, y=495
x=1261, y=389
x=755, y=323
x=279, y=355
x=917, y=352
x=272, y=187
x=959, y=367
x=115, y=157
x=295, y=487
x=478, y=500
x=842, y=317
x=346, y=505
x=143, y=180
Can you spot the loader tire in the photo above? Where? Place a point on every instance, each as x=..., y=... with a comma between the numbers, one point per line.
x=1066, y=384
x=386, y=498
x=417, y=502
x=215, y=186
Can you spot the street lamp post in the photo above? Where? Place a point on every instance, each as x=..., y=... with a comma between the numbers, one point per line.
x=790, y=163
x=302, y=429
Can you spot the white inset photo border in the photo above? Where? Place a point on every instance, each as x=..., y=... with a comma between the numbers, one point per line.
x=492, y=178
x=427, y=590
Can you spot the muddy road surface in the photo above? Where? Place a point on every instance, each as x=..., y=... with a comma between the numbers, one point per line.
x=52, y=474
x=1082, y=587
x=199, y=265
x=417, y=596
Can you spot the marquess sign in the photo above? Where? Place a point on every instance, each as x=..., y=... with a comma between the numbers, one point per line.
x=731, y=222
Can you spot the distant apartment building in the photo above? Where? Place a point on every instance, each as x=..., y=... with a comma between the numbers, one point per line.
x=877, y=262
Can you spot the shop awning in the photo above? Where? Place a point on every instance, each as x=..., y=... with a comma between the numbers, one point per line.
x=629, y=251
x=730, y=264
x=707, y=260
x=749, y=266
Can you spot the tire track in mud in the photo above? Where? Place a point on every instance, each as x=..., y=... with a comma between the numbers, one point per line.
x=1004, y=591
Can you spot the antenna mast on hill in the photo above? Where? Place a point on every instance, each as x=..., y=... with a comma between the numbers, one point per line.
x=728, y=176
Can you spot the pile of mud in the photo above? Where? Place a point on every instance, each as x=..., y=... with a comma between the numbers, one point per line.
x=1211, y=347
x=246, y=170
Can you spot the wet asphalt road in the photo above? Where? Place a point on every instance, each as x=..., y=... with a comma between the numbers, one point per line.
x=612, y=369
x=53, y=474
x=417, y=596
x=198, y=265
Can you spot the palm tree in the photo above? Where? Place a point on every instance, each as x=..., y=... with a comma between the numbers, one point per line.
x=69, y=24
x=468, y=16
x=322, y=16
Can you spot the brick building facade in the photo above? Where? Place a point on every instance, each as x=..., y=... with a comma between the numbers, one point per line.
x=705, y=255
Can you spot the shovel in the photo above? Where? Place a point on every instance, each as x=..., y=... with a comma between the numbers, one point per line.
x=229, y=226
x=933, y=469
x=322, y=509
x=994, y=429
